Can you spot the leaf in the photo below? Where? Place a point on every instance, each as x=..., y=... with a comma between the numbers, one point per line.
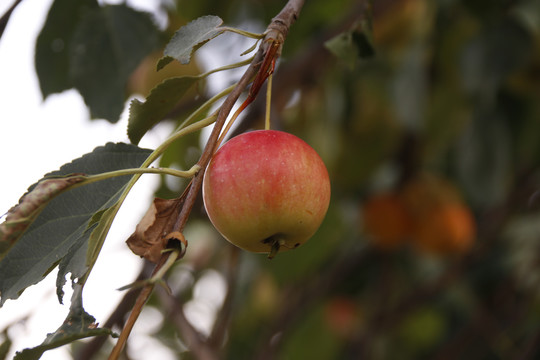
x=161, y=101
x=189, y=38
x=52, y=45
x=106, y=48
x=352, y=45
x=60, y=232
x=78, y=325
x=149, y=238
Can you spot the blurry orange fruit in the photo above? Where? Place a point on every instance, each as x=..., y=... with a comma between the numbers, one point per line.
x=386, y=220
x=443, y=224
x=449, y=229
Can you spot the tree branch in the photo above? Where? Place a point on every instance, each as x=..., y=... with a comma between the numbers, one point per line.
x=193, y=339
x=223, y=317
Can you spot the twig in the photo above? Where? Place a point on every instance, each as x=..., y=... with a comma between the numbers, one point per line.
x=193, y=339
x=223, y=317
x=143, y=297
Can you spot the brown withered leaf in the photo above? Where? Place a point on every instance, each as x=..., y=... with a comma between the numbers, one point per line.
x=151, y=234
x=21, y=215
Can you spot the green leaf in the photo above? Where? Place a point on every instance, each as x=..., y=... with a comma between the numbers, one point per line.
x=106, y=48
x=161, y=101
x=189, y=38
x=78, y=325
x=59, y=234
x=52, y=45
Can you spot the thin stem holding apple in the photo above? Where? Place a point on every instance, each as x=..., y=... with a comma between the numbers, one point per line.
x=268, y=103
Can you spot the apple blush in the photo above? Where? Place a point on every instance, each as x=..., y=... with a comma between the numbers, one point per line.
x=266, y=191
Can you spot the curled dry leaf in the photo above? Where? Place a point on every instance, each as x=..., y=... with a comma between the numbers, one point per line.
x=176, y=240
x=21, y=215
x=154, y=231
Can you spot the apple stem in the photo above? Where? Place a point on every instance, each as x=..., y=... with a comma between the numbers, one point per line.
x=268, y=102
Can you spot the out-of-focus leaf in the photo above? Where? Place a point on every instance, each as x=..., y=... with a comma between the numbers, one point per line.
x=106, y=48
x=161, y=101
x=483, y=159
x=60, y=232
x=422, y=329
x=353, y=45
x=189, y=38
x=52, y=45
x=78, y=325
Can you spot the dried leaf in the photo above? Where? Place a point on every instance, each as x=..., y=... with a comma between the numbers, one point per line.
x=21, y=216
x=151, y=234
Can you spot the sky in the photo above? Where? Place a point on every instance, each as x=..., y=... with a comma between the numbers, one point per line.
x=37, y=137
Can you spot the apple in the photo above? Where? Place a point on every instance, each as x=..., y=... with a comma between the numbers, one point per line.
x=387, y=220
x=266, y=191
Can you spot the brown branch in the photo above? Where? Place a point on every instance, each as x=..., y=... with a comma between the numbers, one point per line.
x=193, y=339
x=224, y=316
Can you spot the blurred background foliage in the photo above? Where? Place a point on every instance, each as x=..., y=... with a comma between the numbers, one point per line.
x=427, y=115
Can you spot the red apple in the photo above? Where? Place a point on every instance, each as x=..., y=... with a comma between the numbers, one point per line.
x=266, y=191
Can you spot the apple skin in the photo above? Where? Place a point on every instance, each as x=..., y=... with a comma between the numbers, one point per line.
x=266, y=191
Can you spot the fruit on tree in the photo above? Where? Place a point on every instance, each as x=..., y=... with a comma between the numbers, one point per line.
x=266, y=191
x=449, y=229
x=386, y=220
x=427, y=212
x=443, y=224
